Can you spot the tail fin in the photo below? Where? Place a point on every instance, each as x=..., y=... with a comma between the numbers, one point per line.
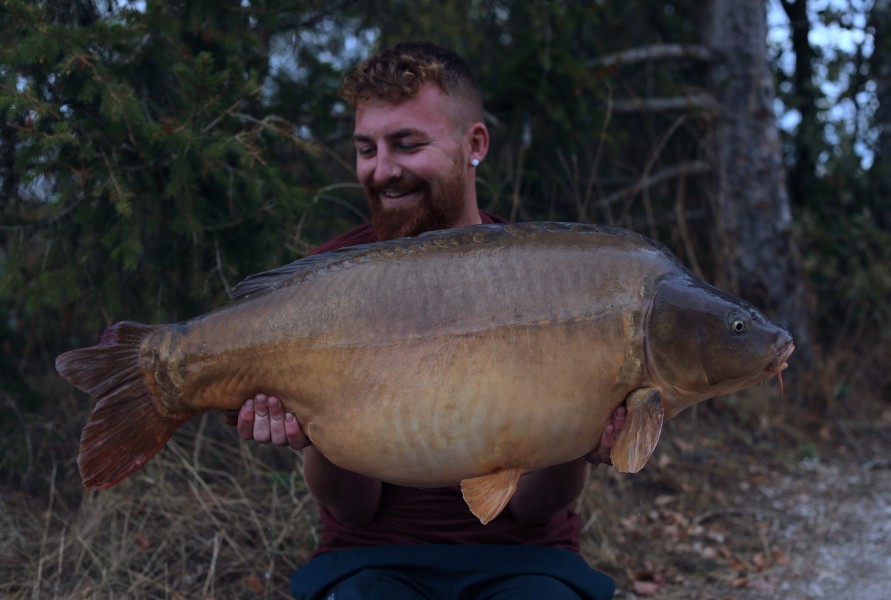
x=125, y=429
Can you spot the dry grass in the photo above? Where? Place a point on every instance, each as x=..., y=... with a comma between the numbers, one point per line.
x=213, y=517
x=209, y=517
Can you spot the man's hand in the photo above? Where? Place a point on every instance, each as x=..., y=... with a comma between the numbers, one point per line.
x=350, y=497
x=600, y=454
x=264, y=420
x=541, y=494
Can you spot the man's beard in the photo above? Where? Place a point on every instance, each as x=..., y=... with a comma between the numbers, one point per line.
x=440, y=207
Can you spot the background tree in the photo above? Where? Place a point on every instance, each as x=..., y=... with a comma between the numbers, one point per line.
x=803, y=99
x=880, y=24
x=142, y=175
x=834, y=104
x=173, y=150
x=754, y=217
x=188, y=127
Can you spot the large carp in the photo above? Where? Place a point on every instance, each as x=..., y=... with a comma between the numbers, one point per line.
x=468, y=355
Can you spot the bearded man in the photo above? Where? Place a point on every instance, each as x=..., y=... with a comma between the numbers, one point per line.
x=419, y=137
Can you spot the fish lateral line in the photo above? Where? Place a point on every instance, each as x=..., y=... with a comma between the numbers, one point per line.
x=458, y=333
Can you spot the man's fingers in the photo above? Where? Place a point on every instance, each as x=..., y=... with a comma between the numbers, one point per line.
x=264, y=420
x=245, y=422
x=618, y=418
x=607, y=438
x=262, y=434
x=277, y=422
x=601, y=454
x=296, y=438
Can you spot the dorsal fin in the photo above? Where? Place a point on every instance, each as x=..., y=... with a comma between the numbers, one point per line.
x=300, y=270
x=313, y=266
x=480, y=235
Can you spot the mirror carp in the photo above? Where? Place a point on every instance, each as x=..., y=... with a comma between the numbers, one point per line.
x=468, y=356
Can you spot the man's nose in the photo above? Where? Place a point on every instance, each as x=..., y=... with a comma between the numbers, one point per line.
x=386, y=167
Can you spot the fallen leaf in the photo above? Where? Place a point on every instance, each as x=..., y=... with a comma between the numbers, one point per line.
x=760, y=561
x=255, y=583
x=683, y=445
x=664, y=499
x=762, y=585
x=646, y=588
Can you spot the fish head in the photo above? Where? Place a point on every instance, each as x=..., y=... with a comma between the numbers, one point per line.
x=702, y=342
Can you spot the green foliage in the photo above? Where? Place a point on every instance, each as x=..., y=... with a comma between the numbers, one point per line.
x=847, y=249
x=144, y=176
x=841, y=205
x=151, y=158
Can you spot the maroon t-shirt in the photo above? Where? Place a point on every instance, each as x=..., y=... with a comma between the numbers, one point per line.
x=435, y=515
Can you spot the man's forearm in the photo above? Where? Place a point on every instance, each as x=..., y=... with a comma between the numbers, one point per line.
x=351, y=498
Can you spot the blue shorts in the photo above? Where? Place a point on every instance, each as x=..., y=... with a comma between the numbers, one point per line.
x=450, y=572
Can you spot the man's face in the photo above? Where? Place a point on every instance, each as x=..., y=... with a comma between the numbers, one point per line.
x=411, y=162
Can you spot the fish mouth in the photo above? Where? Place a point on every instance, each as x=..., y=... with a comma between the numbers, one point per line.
x=779, y=364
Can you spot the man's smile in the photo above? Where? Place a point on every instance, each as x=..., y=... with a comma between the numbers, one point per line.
x=398, y=198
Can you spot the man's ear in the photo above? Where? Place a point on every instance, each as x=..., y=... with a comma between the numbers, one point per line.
x=478, y=141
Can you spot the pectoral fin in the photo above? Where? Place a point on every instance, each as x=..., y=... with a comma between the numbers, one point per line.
x=640, y=434
x=487, y=495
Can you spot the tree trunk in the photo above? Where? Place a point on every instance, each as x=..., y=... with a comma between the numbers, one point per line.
x=803, y=173
x=753, y=225
x=880, y=63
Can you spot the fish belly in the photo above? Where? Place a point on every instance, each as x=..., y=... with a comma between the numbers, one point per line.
x=435, y=412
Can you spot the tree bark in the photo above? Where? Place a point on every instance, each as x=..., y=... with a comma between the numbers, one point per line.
x=803, y=173
x=880, y=67
x=753, y=225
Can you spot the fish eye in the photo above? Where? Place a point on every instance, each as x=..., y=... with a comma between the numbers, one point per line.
x=738, y=324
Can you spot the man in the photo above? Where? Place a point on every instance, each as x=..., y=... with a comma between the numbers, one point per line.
x=419, y=136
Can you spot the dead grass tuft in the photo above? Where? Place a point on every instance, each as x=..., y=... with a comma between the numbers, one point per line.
x=209, y=517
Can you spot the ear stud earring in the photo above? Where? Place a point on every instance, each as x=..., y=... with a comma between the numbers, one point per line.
x=475, y=162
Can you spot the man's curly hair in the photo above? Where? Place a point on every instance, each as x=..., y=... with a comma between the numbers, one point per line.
x=398, y=73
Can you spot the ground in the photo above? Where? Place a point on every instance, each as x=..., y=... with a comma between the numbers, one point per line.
x=744, y=499
x=835, y=523
x=811, y=528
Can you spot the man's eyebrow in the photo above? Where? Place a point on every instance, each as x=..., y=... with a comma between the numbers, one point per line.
x=396, y=135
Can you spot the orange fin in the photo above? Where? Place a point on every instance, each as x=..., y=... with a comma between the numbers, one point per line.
x=640, y=434
x=487, y=495
x=125, y=429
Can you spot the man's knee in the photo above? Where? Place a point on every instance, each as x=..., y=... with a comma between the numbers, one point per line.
x=528, y=587
x=375, y=584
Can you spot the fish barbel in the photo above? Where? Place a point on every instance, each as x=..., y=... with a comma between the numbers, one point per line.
x=468, y=355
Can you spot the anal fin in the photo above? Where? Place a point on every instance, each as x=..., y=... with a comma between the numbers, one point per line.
x=487, y=495
x=638, y=438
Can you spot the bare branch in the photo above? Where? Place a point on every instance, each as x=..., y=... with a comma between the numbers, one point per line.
x=652, y=53
x=697, y=167
x=701, y=101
